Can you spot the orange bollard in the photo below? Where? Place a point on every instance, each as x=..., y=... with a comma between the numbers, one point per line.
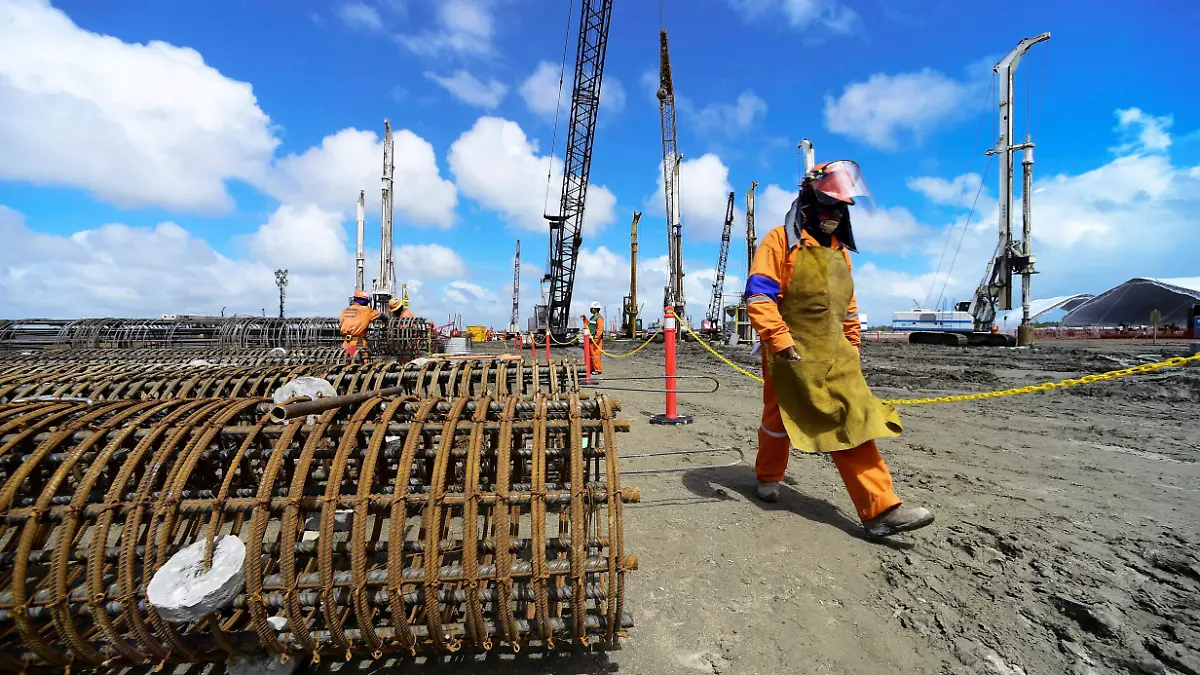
x=587, y=357
x=671, y=416
x=548, y=346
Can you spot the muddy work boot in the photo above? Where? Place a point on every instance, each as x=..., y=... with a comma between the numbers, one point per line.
x=768, y=491
x=901, y=518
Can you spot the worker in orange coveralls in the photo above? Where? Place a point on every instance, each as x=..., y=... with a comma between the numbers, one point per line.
x=353, y=324
x=399, y=308
x=594, y=326
x=800, y=298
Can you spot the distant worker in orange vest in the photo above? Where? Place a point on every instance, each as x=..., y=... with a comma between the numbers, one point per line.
x=800, y=298
x=353, y=324
x=594, y=326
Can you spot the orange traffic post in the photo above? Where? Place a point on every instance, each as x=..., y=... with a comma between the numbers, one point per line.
x=548, y=346
x=587, y=356
x=672, y=415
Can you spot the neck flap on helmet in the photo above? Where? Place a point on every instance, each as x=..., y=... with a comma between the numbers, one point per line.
x=804, y=216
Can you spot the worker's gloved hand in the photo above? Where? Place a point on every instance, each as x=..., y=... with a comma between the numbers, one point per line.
x=788, y=354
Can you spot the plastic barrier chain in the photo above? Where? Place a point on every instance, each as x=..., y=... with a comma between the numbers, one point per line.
x=1176, y=362
x=568, y=342
x=626, y=354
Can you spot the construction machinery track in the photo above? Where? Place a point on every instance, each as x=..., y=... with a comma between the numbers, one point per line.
x=398, y=525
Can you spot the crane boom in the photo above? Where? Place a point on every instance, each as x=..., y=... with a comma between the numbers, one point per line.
x=718, y=289
x=671, y=188
x=566, y=228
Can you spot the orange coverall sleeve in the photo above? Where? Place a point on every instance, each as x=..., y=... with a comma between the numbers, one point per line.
x=764, y=289
x=851, y=326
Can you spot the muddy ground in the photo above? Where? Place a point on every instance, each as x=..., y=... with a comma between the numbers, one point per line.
x=1067, y=536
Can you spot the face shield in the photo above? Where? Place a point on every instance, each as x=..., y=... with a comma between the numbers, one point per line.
x=840, y=182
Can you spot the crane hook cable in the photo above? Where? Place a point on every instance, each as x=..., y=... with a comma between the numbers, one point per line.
x=1174, y=362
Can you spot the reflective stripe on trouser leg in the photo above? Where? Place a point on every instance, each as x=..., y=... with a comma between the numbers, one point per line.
x=773, y=443
x=867, y=480
x=597, y=355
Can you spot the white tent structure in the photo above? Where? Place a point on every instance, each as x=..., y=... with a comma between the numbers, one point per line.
x=1009, y=320
x=1131, y=303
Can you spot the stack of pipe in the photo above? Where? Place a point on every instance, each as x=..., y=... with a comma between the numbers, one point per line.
x=429, y=377
x=200, y=356
x=394, y=525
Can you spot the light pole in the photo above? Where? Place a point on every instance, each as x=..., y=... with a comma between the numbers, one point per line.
x=281, y=281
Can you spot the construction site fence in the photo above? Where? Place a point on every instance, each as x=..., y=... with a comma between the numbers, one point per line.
x=399, y=525
x=394, y=335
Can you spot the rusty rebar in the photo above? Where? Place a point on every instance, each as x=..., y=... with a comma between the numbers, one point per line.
x=393, y=524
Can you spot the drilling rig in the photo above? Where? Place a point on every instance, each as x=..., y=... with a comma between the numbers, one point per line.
x=566, y=235
x=629, y=303
x=743, y=330
x=385, y=285
x=513, y=325
x=715, y=303
x=973, y=322
x=673, y=295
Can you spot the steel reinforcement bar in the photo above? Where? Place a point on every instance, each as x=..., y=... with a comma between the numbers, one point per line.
x=402, y=525
x=176, y=357
x=395, y=336
x=428, y=377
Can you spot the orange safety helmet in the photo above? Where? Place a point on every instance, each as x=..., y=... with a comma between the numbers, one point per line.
x=360, y=298
x=837, y=182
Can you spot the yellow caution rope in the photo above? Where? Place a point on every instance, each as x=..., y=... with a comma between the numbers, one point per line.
x=627, y=354
x=1175, y=362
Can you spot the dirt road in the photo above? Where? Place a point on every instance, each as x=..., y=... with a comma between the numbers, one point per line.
x=1067, y=536
x=1066, y=541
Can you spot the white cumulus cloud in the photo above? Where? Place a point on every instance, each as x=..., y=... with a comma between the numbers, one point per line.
x=705, y=188
x=471, y=90
x=134, y=124
x=360, y=15
x=1146, y=133
x=331, y=174
x=428, y=262
x=463, y=27
x=541, y=91
x=302, y=237
x=885, y=110
x=731, y=119
x=496, y=165
x=829, y=15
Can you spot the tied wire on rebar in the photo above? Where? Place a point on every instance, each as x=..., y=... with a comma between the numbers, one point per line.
x=398, y=525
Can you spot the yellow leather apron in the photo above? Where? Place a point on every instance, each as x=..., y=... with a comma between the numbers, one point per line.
x=824, y=398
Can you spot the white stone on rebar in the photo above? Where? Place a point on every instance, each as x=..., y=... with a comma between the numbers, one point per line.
x=182, y=591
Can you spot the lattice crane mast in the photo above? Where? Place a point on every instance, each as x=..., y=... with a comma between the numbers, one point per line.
x=718, y=289
x=566, y=234
x=671, y=189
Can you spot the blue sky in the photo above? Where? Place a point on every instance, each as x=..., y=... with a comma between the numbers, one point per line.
x=166, y=157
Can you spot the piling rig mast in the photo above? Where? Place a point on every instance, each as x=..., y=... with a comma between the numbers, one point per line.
x=751, y=236
x=1012, y=256
x=671, y=188
x=385, y=285
x=630, y=304
x=513, y=325
x=566, y=233
x=715, y=304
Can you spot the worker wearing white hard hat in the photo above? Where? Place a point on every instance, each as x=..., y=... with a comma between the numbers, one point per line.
x=593, y=328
